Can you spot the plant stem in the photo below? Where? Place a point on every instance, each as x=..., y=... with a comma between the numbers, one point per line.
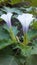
x=25, y=42
x=12, y=36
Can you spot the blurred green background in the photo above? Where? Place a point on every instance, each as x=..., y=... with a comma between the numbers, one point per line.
x=32, y=2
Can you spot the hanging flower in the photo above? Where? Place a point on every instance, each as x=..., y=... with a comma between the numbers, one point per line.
x=7, y=18
x=25, y=20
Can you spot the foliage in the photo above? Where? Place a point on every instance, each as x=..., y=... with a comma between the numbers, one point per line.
x=12, y=2
x=17, y=53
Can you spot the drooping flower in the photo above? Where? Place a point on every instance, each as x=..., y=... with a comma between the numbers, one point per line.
x=25, y=20
x=7, y=18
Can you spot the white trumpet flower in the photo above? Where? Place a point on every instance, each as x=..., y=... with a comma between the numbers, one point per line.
x=25, y=20
x=7, y=18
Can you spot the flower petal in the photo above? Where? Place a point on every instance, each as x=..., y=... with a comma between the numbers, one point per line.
x=4, y=17
x=7, y=18
x=25, y=19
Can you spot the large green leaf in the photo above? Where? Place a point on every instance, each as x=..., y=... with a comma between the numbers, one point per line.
x=7, y=60
x=13, y=10
x=5, y=39
x=32, y=60
x=7, y=55
x=3, y=34
x=4, y=43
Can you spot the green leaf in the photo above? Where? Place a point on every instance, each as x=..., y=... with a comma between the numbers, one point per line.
x=31, y=60
x=1, y=12
x=7, y=60
x=25, y=50
x=32, y=34
x=4, y=43
x=3, y=34
x=13, y=10
x=4, y=38
x=14, y=29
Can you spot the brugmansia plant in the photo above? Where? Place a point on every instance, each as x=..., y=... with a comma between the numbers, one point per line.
x=25, y=20
x=18, y=50
x=7, y=19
